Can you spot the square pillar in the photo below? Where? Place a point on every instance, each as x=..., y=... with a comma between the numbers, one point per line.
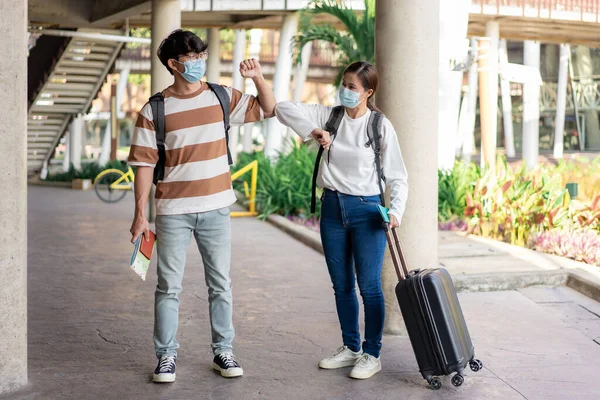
x=166, y=17
x=13, y=195
x=281, y=83
x=407, y=45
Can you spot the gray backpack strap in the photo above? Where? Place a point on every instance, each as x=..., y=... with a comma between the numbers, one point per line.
x=157, y=104
x=225, y=102
x=335, y=118
x=332, y=125
x=374, y=128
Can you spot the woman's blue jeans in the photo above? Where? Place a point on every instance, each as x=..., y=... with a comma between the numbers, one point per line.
x=354, y=243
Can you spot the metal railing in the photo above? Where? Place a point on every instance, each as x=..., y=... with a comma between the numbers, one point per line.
x=587, y=95
x=567, y=10
x=250, y=192
x=322, y=55
x=140, y=53
x=255, y=5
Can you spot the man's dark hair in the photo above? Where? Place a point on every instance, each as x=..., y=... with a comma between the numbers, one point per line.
x=179, y=43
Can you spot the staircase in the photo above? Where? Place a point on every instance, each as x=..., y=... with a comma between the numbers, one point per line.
x=65, y=75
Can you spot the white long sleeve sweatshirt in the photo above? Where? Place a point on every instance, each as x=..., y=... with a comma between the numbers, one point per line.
x=349, y=166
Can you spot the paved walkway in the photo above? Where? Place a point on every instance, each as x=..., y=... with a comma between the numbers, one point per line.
x=90, y=323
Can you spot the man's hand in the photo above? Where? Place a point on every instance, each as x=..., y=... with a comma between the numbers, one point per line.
x=393, y=222
x=322, y=137
x=250, y=69
x=139, y=226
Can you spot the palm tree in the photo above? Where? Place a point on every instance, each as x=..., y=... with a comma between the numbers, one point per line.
x=355, y=43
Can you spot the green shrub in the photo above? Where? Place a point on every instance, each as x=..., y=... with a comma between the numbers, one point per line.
x=88, y=171
x=584, y=172
x=517, y=206
x=453, y=187
x=284, y=186
x=511, y=206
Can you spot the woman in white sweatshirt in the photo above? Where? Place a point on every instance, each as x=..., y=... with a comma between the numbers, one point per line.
x=351, y=225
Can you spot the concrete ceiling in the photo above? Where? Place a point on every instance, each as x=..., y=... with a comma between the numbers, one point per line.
x=60, y=12
x=84, y=13
x=106, y=12
x=543, y=30
x=113, y=13
x=233, y=20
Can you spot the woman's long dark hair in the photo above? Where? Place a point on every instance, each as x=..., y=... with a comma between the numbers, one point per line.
x=369, y=78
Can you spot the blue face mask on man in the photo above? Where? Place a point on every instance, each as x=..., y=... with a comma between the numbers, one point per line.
x=349, y=98
x=194, y=70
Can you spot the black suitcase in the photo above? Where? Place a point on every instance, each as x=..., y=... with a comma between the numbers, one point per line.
x=434, y=320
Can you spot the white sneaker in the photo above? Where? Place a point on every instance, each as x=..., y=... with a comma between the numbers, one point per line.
x=227, y=365
x=366, y=367
x=165, y=370
x=343, y=357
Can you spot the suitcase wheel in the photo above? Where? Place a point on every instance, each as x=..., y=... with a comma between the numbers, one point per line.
x=435, y=383
x=475, y=365
x=458, y=380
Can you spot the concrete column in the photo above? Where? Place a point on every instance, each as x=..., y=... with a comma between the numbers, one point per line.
x=281, y=82
x=509, y=137
x=464, y=103
x=454, y=17
x=585, y=71
x=121, y=86
x=114, y=124
x=239, y=53
x=411, y=49
x=75, y=132
x=551, y=63
x=300, y=74
x=13, y=195
x=67, y=155
x=492, y=31
x=247, y=138
x=213, y=65
x=531, y=107
x=254, y=50
x=467, y=119
x=486, y=114
x=44, y=173
x=561, y=100
x=106, y=142
x=166, y=17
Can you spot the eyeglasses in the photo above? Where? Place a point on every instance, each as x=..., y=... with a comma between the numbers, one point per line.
x=194, y=56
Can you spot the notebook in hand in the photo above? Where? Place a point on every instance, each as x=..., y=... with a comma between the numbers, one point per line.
x=142, y=254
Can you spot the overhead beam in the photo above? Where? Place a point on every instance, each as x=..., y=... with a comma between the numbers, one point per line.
x=60, y=12
x=233, y=20
x=538, y=29
x=107, y=12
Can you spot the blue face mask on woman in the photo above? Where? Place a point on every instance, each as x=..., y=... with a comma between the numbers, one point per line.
x=349, y=98
x=194, y=70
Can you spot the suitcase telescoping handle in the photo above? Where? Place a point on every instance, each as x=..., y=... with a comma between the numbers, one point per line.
x=397, y=253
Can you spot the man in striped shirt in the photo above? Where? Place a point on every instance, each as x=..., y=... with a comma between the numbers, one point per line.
x=194, y=196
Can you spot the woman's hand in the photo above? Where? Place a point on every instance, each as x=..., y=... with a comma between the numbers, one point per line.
x=393, y=222
x=322, y=137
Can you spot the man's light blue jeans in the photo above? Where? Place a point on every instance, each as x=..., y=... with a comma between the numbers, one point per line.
x=212, y=231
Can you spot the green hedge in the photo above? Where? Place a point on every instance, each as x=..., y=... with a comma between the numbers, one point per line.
x=284, y=186
x=88, y=171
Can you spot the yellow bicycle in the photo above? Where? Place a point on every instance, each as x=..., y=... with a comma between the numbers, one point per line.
x=112, y=185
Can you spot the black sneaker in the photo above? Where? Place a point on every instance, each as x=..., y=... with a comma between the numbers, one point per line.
x=165, y=370
x=227, y=365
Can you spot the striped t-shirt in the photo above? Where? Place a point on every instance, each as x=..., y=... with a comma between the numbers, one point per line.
x=197, y=177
